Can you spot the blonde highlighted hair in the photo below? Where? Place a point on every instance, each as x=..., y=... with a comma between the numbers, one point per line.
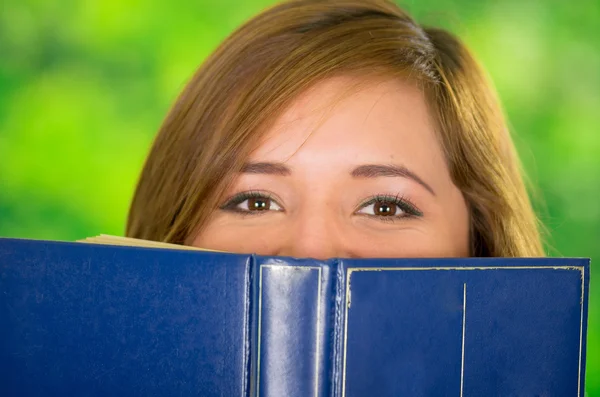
x=259, y=69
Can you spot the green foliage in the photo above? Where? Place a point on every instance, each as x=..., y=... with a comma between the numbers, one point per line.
x=84, y=86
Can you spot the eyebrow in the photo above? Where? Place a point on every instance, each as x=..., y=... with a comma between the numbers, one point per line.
x=266, y=168
x=381, y=170
x=362, y=171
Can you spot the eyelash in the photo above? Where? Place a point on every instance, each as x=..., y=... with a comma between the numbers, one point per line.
x=232, y=202
x=409, y=209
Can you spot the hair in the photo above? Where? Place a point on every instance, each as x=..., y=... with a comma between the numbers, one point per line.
x=259, y=69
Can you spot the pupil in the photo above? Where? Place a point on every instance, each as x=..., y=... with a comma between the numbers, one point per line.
x=258, y=204
x=385, y=209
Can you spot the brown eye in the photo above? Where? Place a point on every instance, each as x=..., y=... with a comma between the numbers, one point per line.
x=382, y=208
x=251, y=202
x=259, y=204
x=388, y=208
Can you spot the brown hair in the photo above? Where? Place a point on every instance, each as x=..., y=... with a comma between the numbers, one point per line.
x=257, y=71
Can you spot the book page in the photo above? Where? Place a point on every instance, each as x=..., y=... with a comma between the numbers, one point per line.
x=135, y=242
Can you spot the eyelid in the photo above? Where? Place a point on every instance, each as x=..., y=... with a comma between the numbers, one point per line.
x=238, y=198
x=405, y=204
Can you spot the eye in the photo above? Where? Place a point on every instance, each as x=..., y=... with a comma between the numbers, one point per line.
x=391, y=207
x=380, y=208
x=251, y=202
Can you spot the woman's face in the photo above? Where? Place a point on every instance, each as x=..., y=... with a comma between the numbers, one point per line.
x=345, y=173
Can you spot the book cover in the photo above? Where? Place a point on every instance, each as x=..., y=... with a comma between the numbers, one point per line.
x=97, y=320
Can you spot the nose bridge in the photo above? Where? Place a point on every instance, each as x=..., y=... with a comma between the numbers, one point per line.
x=313, y=236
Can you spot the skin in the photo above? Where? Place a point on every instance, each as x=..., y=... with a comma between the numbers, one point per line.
x=322, y=186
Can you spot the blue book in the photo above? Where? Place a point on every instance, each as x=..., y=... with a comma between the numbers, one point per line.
x=105, y=320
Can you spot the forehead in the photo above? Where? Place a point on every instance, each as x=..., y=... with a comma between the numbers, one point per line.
x=342, y=119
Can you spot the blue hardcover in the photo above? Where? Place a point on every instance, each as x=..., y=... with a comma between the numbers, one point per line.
x=96, y=320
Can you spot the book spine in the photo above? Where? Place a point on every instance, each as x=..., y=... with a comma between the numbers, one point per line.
x=338, y=331
x=292, y=311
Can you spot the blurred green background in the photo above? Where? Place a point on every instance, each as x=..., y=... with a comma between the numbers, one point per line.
x=84, y=86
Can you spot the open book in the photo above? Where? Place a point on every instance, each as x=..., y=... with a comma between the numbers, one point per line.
x=129, y=317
